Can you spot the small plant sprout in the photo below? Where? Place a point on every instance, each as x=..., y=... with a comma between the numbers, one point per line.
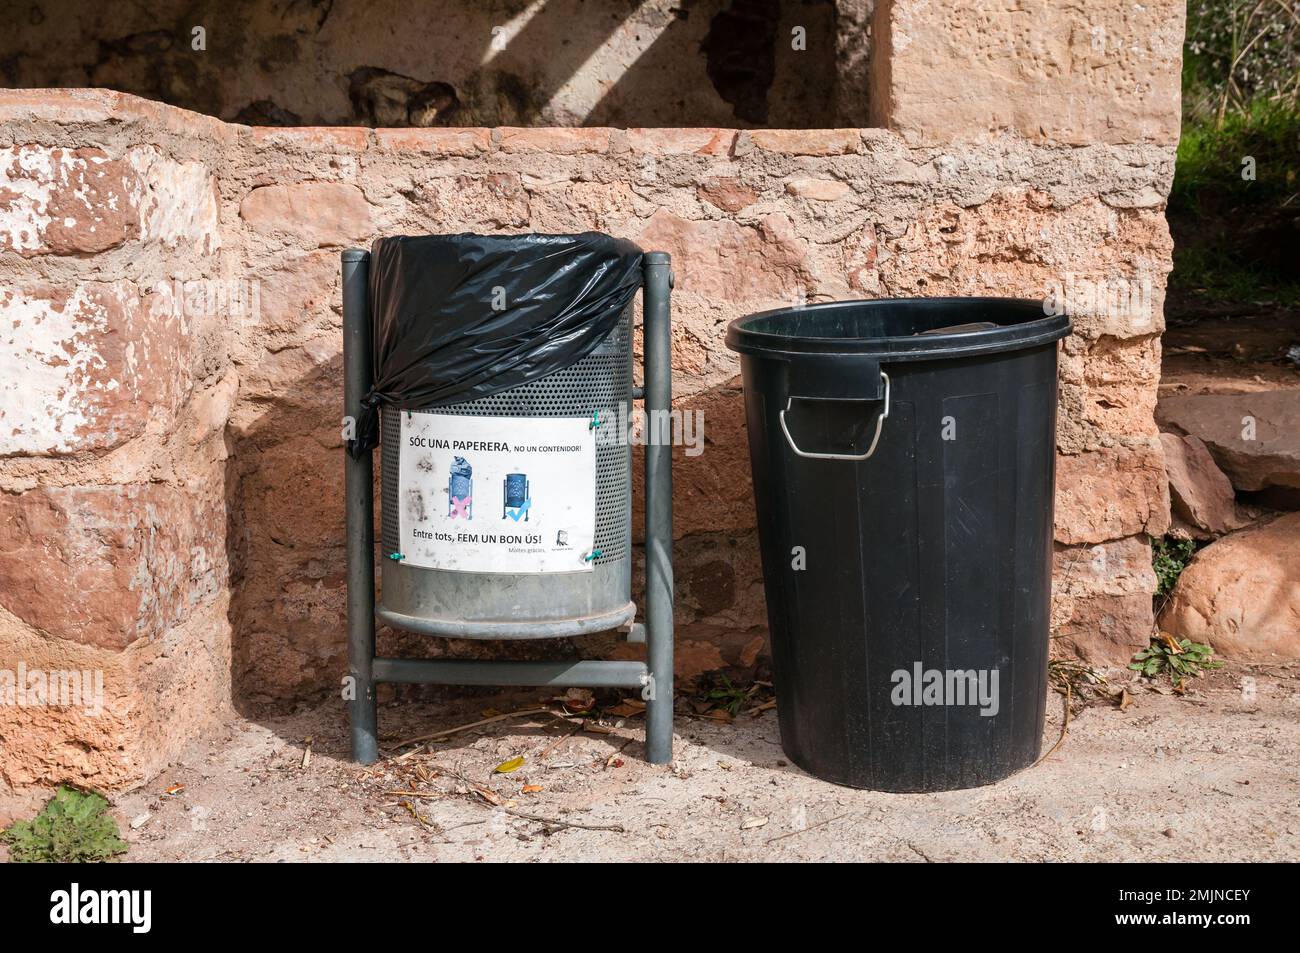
x=1179, y=658
x=1169, y=557
x=74, y=827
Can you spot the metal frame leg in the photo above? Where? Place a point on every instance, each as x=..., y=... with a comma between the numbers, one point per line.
x=658, y=508
x=360, y=506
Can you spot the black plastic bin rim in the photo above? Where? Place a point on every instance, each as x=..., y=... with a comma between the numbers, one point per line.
x=893, y=328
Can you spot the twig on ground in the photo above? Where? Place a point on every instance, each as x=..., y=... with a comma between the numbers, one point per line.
x=473, y=724
x=829, y=820
x=556, y=822
x=550, y=749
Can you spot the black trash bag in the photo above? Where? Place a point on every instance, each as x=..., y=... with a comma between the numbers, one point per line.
x=458, y=317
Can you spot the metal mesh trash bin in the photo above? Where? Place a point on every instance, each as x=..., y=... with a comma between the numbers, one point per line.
x=492, y=604
x=506, y=486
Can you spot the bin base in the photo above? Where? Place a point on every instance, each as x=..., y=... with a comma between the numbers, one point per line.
x=559, y=628
x=896, y=786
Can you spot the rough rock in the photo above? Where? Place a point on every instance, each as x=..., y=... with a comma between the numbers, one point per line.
x=1101, y=599
x=727, y=193
x=1201, y=495
x=1107, y=629
x=66, y=201
x=819, y=190
x=728, y=261
x=1109, y=494
x=316, y=213
x=87, y=368
x=1254, y=438
x=711, y=482
x=109, y=565
x=1241, y=594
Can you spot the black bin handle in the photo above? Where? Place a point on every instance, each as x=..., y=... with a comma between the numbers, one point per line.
x=880, y=422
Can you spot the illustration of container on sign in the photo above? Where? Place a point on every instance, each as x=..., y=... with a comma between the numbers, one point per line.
x=460, y=490
x=516, y=499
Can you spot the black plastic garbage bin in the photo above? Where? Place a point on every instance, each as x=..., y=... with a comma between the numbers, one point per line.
x=903, y=455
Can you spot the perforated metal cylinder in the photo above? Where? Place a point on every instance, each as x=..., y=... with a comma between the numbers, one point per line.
x=528, y=605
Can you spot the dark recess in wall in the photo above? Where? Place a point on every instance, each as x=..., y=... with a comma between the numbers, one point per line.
x=741, y=55
x=383, y=98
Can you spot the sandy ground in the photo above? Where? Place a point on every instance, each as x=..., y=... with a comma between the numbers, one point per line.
x=1213, y=775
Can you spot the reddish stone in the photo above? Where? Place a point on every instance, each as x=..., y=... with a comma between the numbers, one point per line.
x=1201, y=495
x=731, y=262
x=315, y=138
x=559, y=141
x=66, y=201
x=700, y=141
x=726, y=193
x=1254, y=437
x=1108, y=494
x=1107, y=629
x=110, y=565
x=819, y=190
x=444, y=142
x=298, y=292
x=315, y=213
x=807, y=142
x=1241, y=594
x=88, y=369
x=861, y=254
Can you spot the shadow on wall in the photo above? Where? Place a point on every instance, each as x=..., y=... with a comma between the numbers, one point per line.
x=399, y=63
x=285, y=544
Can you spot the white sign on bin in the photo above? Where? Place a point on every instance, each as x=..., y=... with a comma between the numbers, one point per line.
x=497, y=494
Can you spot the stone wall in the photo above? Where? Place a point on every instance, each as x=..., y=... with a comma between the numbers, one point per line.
x=170, y=469
x=113, y=409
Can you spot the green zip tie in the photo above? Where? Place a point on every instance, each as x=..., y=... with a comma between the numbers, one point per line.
x=397, y=557
x=595, y=554
x=595, y=420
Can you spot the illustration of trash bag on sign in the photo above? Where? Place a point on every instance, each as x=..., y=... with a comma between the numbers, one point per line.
x=460, y=490
x=516, y=499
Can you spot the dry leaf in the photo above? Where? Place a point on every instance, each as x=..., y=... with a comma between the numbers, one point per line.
x=1125, y=699
x=1171, y=642
x=174, y=789
x=505, y=767
x=752, y=822
x=531, y=789
x=625, y=710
